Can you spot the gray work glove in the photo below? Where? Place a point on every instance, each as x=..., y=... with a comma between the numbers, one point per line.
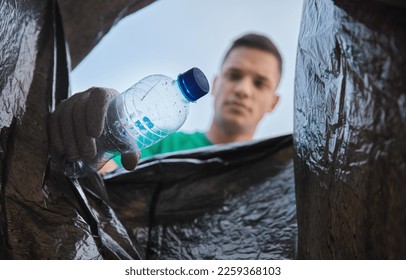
x=76, y=123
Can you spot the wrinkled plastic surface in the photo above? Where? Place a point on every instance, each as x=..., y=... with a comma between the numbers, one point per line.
x=228, y=202
x=42, y=214
x=350, y=130
x=26, y=44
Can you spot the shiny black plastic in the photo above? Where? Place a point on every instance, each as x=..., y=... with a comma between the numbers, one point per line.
x=42, y=214
x=350, y=130
x=227, y=202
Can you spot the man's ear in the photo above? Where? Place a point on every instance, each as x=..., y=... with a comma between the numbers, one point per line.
x=275, y=101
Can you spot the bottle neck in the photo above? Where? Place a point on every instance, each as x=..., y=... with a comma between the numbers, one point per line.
x=178, y=83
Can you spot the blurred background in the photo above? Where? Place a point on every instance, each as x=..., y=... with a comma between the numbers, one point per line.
x=170, y=36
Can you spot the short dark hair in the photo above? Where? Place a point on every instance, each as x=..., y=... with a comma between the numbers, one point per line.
x=256, y=41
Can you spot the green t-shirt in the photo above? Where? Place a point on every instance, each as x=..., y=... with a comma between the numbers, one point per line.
x=178, y=141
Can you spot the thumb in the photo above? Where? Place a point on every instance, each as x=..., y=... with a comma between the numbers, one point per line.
x=130, y=160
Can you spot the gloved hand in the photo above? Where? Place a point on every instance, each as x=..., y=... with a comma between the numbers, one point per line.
x=76, y=123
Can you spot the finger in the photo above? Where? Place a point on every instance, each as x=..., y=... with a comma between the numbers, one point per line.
x=96, y=109
x=130, y=160
x=86, y=145
x=67, y=129
x=55, y=135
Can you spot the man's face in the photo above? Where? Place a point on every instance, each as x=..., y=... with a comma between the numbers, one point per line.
x=245, y=89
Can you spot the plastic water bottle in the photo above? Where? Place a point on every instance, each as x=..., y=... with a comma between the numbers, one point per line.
x=141, y=116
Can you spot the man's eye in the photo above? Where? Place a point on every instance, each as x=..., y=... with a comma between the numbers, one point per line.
x=259, y=83
x=233, y=76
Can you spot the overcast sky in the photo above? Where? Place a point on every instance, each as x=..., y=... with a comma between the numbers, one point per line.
x=171, y=36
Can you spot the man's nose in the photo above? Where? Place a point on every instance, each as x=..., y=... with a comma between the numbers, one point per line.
x=243, y=88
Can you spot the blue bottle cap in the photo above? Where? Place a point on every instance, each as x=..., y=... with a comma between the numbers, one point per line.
x=193, y=84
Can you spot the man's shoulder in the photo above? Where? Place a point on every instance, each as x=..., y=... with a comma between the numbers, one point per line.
x=188, y=138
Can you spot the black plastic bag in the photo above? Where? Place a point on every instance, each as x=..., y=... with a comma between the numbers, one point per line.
x=350, y=130
x=233, y=201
